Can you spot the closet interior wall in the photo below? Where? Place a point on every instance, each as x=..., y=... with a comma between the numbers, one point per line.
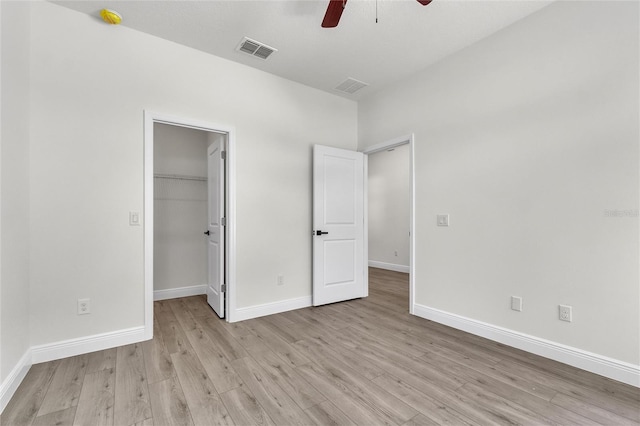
x=180, y=208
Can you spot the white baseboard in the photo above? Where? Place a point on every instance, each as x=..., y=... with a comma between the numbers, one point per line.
x=64, y=349
x=598, y=364
x=9, y=386
x=271, y=308
x=83, y=345
x=174, y=293
x=389, y=266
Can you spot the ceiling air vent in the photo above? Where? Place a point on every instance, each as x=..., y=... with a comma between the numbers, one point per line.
x=255, y=48
x=351, y=85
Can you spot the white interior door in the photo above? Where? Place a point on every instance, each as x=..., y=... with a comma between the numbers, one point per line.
x=215, y=228
x=338, y=225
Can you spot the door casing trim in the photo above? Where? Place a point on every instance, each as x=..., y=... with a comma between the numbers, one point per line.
x=151, y=117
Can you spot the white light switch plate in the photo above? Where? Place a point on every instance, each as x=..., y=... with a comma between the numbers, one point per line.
x=134, y=218
x=443, y=219
x=516, y=303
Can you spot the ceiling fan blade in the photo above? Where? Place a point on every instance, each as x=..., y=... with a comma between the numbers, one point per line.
x=334, y=12
x=424, y=2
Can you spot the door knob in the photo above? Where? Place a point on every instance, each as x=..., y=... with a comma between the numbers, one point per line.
x=207, y=233
x=321, y=232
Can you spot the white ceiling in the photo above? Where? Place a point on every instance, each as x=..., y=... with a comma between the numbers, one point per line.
x=407, y=38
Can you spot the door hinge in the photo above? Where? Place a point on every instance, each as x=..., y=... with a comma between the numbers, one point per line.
x=223, y=221
x=223, y=154
x=223, y=288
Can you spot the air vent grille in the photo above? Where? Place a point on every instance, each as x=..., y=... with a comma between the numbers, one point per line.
x=255, y=48
x=350, y=86
x=249, y=47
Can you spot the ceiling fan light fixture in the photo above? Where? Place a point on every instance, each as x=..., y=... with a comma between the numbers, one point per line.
x=333, y=14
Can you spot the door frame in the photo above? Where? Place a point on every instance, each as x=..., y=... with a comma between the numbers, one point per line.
x=392, y=143
x=150, y=118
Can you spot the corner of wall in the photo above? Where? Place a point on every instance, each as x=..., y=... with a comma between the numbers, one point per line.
x=9, y=385
x=1, y=374
x=15, y=42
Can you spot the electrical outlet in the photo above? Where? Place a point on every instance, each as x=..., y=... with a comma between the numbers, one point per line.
x=280, y=279
x=84, y=306
x=516, y=303
x=565, y=313
x=395, y=253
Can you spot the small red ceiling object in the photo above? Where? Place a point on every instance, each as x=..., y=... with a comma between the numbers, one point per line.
x=336, y=7
x=334, y=12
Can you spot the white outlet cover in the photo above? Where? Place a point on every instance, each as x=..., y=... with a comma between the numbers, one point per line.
x=565, y=313
x=84, y=306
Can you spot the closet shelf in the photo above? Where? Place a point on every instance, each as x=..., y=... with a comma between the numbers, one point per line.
x=180, y=177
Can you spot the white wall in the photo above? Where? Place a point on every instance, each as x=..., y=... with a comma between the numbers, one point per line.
x=89, y=86
x=180, y=207
x=526, y=139
x=14, y=188
x=389, y=208
x=180, y=150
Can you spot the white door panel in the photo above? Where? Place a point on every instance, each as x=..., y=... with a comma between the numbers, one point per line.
x=338, y=212
x=215, y=230
x=339, y=258
x=339, y=192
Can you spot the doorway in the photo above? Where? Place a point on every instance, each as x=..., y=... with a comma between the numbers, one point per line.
x=158, y=176
x=180, y=211
x=390, y=237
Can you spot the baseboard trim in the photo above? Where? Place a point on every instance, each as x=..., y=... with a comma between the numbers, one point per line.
x=9, y=386
x=174, y=293
x=598, y=364
x=64, y=349
x=256, y=311
x=389, y=266
x=83, y=345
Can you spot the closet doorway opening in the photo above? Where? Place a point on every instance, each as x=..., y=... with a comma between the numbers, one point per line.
x=189, y=213
x=390, y=222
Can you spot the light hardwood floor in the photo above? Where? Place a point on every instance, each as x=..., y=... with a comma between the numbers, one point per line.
x=365, y=362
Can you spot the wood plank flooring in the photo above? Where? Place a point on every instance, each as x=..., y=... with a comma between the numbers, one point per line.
x=361, y=362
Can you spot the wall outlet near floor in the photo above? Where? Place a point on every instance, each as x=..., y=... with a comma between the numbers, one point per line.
x=84, y=306
x=516, y=303
x=395, y=253
x=280, y=279
x=565, y=313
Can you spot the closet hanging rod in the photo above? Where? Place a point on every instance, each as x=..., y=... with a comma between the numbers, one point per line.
x=180, y=177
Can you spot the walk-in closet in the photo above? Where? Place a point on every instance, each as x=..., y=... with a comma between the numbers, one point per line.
x=180, y=210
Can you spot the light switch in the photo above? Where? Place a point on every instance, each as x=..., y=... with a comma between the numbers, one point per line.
x=443, y=220
x=134, y=218
x=516, y=303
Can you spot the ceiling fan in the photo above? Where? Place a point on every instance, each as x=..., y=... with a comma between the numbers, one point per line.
x=336, y=7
